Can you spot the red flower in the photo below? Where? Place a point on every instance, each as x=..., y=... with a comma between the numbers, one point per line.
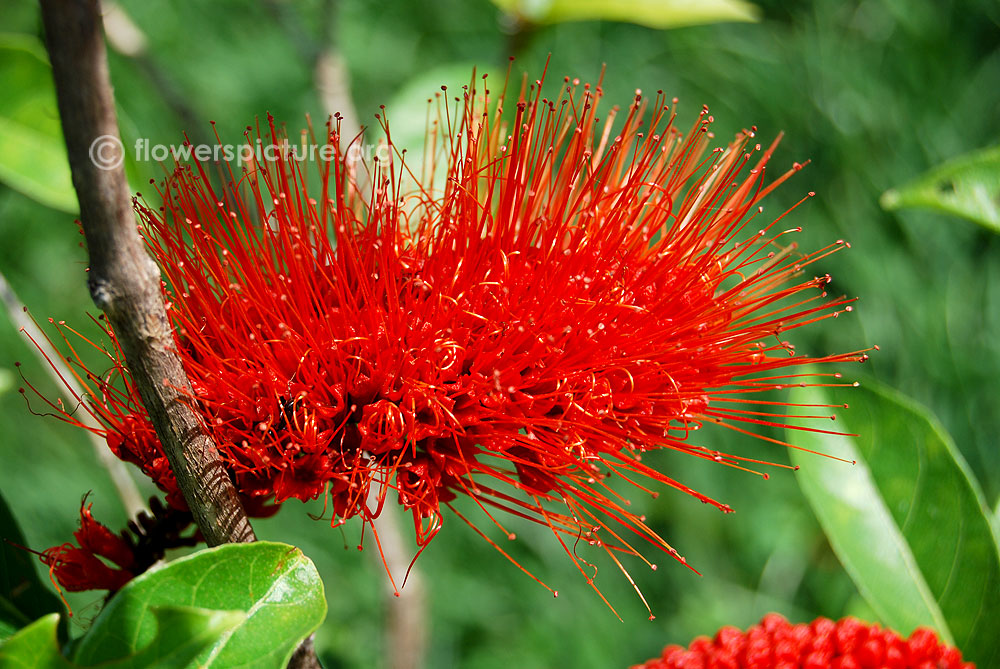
x=822, y=644
x=148, y=537
x=81, y=568
x=78, y=569
x=558, y=301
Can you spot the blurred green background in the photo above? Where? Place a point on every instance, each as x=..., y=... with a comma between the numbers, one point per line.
x=873, y=92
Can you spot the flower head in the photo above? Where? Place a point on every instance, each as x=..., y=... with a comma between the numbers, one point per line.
x=529, y=311
x=821, y=644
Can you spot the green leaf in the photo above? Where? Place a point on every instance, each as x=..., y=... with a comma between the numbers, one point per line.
x=274, y=584
x=34, y=647
x=23, y=596
x=182, y=633
x=966, y=186
x=907, y=521
x=10, y=620
x=32, y=151
x=996, y=521
x=653, y=13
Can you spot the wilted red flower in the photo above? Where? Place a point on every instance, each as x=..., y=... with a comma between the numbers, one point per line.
x=81, y=568
x=822, y=644
x=561, y=299
x=104, y=560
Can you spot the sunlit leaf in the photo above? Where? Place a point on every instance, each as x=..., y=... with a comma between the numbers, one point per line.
x=908, y=521
x=182, y=633
x=32, y=152
x=652, y=13
x=275, y=585
x=996, y=520
x=966, y=186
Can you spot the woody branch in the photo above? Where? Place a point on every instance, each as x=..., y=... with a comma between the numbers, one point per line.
x=124, y=281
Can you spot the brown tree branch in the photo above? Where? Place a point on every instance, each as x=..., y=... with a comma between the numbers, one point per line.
x=124, y=281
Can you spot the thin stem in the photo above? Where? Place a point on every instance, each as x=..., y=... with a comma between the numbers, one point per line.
x=406, y=610
x=59, y=372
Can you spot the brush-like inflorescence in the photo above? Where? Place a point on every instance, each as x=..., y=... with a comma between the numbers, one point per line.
x=537, y=305
x=821, y=644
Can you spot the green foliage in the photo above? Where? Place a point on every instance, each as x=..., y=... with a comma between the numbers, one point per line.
x=966, y=186
x=182, y=634
x=275, y=585
x=35, y=647
x=653, y=13
x=907, y=520
x=246, y=605
x=22, y=595
x=32, y=151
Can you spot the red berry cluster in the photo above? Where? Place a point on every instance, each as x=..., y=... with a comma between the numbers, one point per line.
x=822, y=644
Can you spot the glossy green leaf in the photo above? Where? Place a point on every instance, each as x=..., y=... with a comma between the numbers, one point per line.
x=23, y=596
x=653, y=13
x=34, y=647
x=182, y=633
x=32, y=151
x=908, y=521
x=274, y=584
x=966, y=186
